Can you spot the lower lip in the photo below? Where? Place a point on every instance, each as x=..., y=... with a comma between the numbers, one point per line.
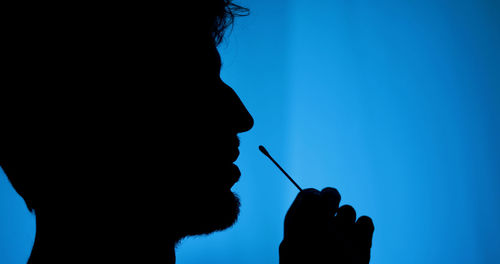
x=235, y=172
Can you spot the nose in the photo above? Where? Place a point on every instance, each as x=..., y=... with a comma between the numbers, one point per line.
x=242, y=120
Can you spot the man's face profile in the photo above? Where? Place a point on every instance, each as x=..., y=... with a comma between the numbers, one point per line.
x=214, y=115
x=123, y=131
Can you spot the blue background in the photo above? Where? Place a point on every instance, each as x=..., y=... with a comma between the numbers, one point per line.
x=395, y=103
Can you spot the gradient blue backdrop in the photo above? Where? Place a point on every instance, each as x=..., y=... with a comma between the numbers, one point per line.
x=395, y=103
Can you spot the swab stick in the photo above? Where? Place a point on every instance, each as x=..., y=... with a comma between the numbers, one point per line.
x=264, y=151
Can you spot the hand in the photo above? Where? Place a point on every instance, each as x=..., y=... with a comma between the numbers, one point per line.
x=318, y=231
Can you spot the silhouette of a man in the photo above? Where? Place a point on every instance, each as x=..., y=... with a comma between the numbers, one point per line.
x=119, y=133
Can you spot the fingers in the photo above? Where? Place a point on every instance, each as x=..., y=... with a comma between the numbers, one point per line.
x=346, y=215
x=306, y=226
x=305, y=204
x=313, y=203
x=311, y=211
x=364, y=230
x=309, y=193
x=331, y=199
x=315, y=227
x=363, y=233
x=343, y=226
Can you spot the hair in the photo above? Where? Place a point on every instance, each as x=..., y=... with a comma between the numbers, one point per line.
x=225, y=13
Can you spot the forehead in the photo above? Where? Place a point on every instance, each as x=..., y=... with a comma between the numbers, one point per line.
x=201, y=57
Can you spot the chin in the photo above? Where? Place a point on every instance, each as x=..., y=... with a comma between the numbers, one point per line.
x=214, y=211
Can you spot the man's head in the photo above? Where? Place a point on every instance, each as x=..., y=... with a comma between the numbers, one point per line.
x=207, y=142
x=126, y=116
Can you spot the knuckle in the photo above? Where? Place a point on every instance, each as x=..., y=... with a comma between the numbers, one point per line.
x=347, y=209
x=331, y=193
x=308, y=194
x=366, y=222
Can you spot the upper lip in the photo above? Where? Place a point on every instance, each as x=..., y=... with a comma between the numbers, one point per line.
x=235, y=154
x=235, y=146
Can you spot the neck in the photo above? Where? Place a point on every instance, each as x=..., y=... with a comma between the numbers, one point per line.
x=56, y=242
